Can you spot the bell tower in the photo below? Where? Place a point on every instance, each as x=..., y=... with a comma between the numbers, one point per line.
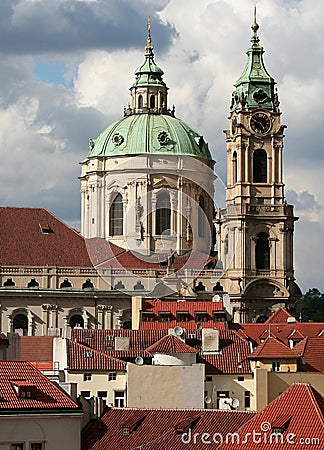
x=255, y=229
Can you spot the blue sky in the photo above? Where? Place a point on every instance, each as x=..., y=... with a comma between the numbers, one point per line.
x=65, y=71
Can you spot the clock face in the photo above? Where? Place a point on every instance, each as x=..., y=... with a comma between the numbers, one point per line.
x=260, y=123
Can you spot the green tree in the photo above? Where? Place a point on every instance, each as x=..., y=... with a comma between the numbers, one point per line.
x=310, y=307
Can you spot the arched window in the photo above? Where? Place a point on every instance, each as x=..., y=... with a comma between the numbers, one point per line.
x=201, y=217
x=163, y=214
x=140, y=102
x=76, y=321
x=152, y=101
x=262, y=252
x=260, y=166
x=20, y=322
x=234, y=167
x=116, y=216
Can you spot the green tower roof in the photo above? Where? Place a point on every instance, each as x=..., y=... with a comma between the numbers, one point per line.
x=149, y=73
x=255, y=87
x=149, y=134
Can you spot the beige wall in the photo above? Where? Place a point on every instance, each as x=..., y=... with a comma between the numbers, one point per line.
x=165, y=386
x=235, y=388
x=286, y=365
x=278, y=382
x=56, y=431
x=99, y=382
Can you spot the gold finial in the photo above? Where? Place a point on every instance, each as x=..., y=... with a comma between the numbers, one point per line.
x=255, y=26
x=149, y=45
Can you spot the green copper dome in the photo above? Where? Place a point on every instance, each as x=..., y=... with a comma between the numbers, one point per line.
x=138, y=134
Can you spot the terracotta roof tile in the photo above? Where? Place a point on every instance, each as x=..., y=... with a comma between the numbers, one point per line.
x=232, y=358
x=157, y=429
x=34, y=237
x=297, y=413
x=212, y=318
x=46, y=395
x=273, y=348
x=280, y=316
x=312, y=350
x=82, y=358
x=170, y=345
x=254, y=331
x=36, y=349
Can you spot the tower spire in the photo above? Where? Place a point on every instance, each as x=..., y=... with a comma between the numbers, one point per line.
x=255, y=87
x=149, y=46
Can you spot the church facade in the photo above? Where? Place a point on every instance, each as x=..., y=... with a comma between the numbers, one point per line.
x=148, y=224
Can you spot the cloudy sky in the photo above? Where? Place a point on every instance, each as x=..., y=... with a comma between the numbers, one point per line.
x=66, y=67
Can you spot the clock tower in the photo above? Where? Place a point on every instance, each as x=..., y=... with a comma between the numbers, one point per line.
x=255, y=229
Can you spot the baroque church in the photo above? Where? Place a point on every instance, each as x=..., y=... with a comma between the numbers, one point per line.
x=149, y=229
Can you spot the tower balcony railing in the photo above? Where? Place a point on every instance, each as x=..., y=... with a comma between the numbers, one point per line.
x=257, y=209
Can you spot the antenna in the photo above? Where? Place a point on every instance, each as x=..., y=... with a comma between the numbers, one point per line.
x=178, y=331
x=216, y=298
x=139, y=360
x=235, y=403
x=207, y=400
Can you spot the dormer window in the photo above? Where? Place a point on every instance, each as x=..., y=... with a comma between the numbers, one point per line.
x=183, y=316
x=201, y=316
x=165, y=316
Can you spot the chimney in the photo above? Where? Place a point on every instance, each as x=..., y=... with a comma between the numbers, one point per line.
x=121, y=343
x=210, y=340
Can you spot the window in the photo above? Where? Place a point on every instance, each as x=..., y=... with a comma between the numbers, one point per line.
x=247, y=399
x=152, y=101
x=116, y=216
x=209, y=378
x=87, y=377
x=276, y=366
x=234, y=160
x=76, y=321
x=17, y=446
x=260, y=166
x=119, y=399
x=240, y=378
x=85, y=394
x=36, y=446
x=20, y=322
x=26, y=392
x=102, y=394
x=226, y=244
x=112, y=376
x=201, y=217
x=140, y=102
x=262, y=252
x=183, y=316
x=163, y=214
x=165, y=316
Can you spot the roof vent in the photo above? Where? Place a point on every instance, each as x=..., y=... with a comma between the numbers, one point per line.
x=88, y=354
x=45, y=228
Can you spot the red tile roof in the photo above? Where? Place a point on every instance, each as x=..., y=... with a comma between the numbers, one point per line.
x=255, y=331
x=273, y=348
x=298, y=413
x=312, y=351
x=37, y=349
x=34, y=237
x=46, y=395
x=104, y=254
x=81, y=358
x=157, y=429
x=170, y=345
x=154, y=307
x=280, y=316
x=232, y=357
